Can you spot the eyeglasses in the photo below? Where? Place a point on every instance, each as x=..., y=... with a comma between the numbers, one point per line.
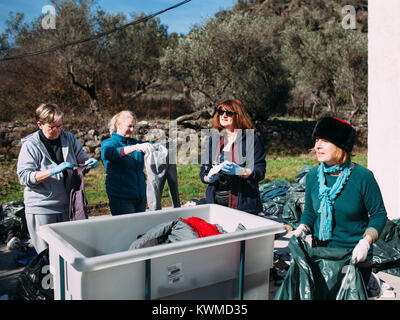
x=50, y=126
x=227, y=112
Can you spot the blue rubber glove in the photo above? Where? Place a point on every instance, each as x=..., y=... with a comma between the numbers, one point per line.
x=231, y=168
x=213, y=178
x=61, y=167
x=92, y=162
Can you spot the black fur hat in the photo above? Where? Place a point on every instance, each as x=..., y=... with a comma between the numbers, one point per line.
x=335, y=130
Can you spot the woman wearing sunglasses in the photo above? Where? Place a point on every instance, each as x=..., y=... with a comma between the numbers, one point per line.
x=234, y=161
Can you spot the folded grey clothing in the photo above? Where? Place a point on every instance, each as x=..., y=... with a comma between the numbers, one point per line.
x=169, y=232
x=181, y=231
x=154, y=236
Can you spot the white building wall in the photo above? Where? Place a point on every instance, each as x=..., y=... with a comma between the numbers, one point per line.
x=384, y=100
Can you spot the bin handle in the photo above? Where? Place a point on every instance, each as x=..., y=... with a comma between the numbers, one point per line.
x=147, y=289
x=241, y=268
x=62, y=277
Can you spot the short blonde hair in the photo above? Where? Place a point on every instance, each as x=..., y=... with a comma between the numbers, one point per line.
x=112, y=124
x=48, y=113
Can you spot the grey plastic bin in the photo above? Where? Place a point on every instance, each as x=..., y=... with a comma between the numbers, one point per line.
x=89, y=259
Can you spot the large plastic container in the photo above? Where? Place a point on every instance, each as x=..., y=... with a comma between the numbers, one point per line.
x=89, y=259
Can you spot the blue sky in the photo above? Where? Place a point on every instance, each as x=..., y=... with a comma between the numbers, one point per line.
x=178, y=20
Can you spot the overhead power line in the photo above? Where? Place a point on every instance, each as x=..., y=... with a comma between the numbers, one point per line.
x=100, y=35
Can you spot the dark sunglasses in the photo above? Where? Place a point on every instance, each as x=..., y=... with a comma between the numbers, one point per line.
x=227, y=112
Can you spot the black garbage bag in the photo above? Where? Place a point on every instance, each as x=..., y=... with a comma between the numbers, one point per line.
x=301, y=175
x=320, y=274
x=293, y=208
x=296, y=195
x=12, y=221
x=386, y=250
x=35, y=282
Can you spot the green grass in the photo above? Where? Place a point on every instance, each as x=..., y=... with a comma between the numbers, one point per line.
x=190, y=185
x=10, y=189
x=286, y=167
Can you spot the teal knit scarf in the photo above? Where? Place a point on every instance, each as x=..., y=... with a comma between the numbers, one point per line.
x=329, y=195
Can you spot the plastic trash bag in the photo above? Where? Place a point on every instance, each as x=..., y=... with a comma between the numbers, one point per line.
x=12, y=221
x=296, y=195
x=273, y=197
x=293, y=208
x=386, y=250
x=35, y=281
x=301, y=175
x=318, y=273
x=353, y=287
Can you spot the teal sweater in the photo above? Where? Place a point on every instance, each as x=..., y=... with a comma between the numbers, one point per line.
x=125, y=177
x=358, y=207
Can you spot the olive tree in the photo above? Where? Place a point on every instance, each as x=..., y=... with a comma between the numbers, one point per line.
x=326, y=63
x=235, y=56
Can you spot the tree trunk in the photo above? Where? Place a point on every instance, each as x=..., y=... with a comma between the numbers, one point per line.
x=356, y=109
x=331, y=105
x=90, y=89
x=205, y=113
x=314, y=110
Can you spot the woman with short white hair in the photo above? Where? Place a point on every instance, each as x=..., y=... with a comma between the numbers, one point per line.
x=44, y=159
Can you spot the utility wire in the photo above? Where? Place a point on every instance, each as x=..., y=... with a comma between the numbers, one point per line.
x=102, y=34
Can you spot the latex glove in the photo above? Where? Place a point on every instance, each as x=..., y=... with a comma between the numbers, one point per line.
x=92, y=162
x=61, y=167
x=231, y=168
x=213, y=178
x=144, y=147
x=301, y=231
x=214, y=170
x=361, y=250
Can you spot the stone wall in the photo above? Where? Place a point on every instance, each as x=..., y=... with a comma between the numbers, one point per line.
x=282, y=137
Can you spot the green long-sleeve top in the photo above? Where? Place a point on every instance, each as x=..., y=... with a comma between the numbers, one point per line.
x=358, y=208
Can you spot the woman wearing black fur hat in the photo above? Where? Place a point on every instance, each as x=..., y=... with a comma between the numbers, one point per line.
x=343, y=205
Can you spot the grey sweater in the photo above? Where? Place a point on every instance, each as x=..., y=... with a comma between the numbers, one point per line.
x=52, y=195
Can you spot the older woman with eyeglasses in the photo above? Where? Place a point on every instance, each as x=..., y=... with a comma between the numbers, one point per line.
x=44, y=158
x=234, y=162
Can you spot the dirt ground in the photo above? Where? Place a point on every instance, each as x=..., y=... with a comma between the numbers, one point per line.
x=9, y=271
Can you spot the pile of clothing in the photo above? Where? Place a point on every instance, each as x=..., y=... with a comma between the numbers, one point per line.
x=178, y=230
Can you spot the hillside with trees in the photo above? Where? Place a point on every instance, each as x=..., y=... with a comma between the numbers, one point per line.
x=275, y=55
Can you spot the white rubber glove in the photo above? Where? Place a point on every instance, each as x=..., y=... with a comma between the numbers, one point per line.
x=144, y=147
x=214, y=170
x=360, y=251
x=301, y=231
x=213, y=174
